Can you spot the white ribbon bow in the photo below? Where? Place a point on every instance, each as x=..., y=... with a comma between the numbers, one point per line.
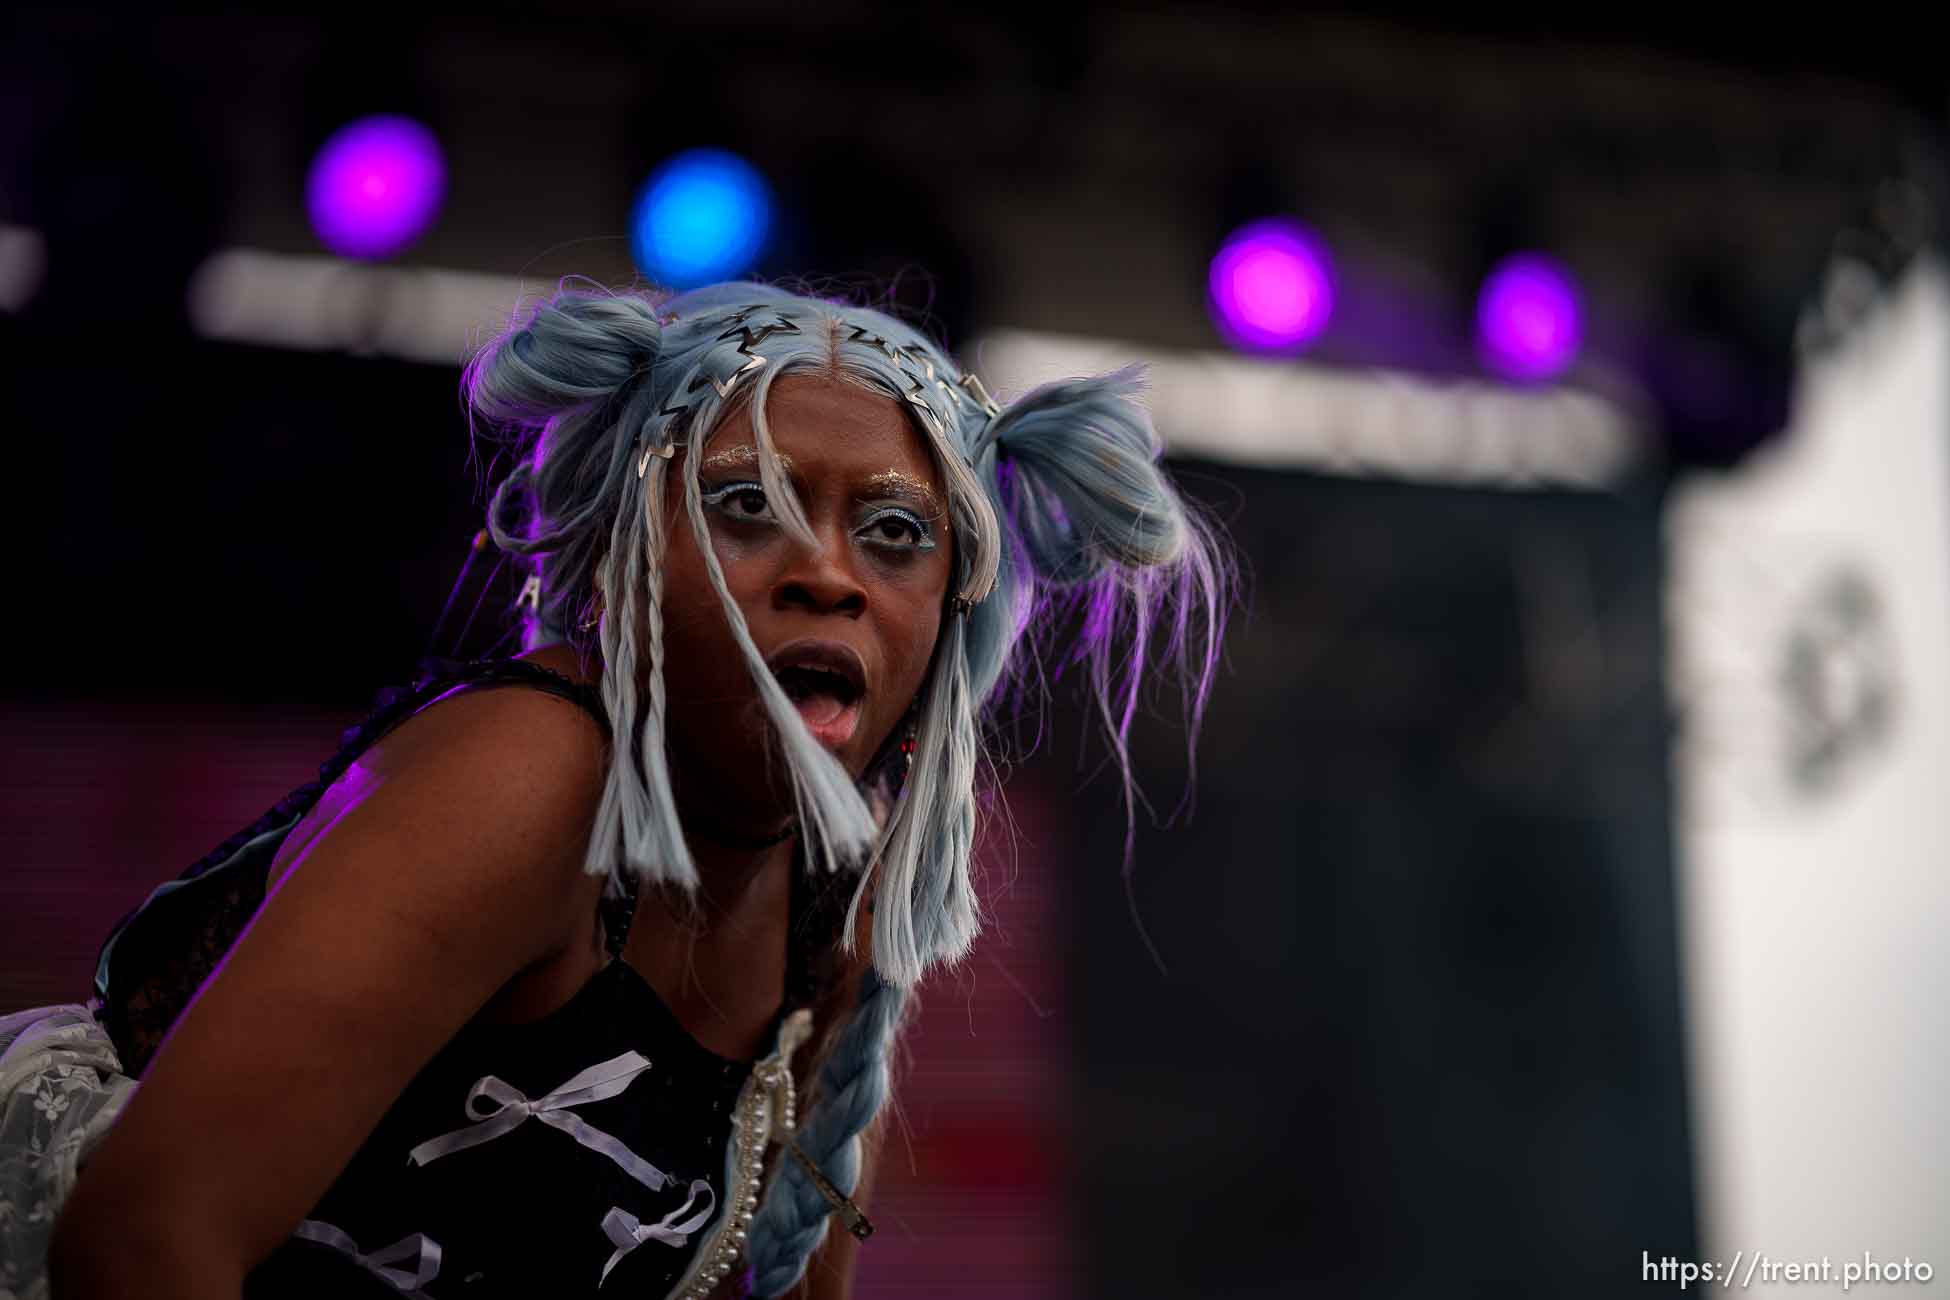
x=496, y=1108
x=418, y=1247
x=626, y=1232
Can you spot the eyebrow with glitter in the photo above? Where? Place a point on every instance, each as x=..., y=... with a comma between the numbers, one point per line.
x=742, y=456
x=889, y=482
x=894, y=483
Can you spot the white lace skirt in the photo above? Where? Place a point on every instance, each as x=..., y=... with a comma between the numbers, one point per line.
x=61, y=1089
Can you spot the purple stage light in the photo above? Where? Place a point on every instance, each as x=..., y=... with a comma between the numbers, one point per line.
x=375, y=186
x=1528, y=319
x=1272, y=287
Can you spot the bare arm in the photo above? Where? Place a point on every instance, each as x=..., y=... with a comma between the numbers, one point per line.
x=450, y=862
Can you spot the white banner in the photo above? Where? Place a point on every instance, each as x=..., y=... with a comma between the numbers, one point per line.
x=1808, y=612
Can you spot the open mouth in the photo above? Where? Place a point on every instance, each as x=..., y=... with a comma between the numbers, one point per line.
x=827, y=684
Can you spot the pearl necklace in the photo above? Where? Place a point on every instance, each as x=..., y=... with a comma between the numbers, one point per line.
x=764, y=1114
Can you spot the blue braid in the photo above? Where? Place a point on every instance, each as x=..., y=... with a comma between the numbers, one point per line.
x=854, y=1084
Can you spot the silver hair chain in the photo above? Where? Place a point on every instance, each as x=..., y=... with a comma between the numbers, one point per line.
x=923, y=380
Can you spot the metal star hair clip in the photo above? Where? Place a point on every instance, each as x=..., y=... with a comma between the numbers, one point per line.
x=924, y=378
x=664, y=451
x=973, y=384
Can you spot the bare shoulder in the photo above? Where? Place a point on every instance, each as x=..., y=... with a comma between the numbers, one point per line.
x=502, y=727
x=500, y=758
x=444, y=863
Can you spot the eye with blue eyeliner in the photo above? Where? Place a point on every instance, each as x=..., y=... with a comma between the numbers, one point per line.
x=922, y=534
x=725, y=499
x=744, y=502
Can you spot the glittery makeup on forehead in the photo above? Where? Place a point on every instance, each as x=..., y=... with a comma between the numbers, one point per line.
x=894, y=483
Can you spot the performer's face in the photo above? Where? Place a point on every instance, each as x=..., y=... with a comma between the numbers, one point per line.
x=849, y=630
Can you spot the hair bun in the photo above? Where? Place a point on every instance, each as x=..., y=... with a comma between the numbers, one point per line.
x=575, y=348
x=1077, y=468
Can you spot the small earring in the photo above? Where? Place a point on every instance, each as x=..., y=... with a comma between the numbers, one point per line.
x=907, y=745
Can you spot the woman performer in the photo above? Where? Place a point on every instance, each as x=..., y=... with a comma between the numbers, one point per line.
x=592, y=986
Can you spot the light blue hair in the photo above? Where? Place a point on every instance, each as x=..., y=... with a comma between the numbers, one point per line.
x=1060, y=512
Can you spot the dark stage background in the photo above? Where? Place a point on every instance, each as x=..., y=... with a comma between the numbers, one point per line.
x=1421, y=1019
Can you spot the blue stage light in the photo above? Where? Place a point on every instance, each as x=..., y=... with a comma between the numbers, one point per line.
x=703, y=215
